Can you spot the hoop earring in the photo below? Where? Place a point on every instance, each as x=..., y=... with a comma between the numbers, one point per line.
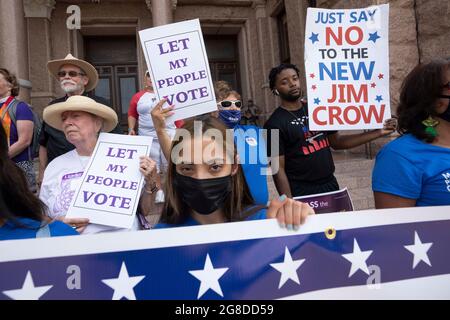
x=430, y=125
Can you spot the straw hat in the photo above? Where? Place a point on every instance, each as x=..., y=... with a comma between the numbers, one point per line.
x=92, y=74
x=52, y=114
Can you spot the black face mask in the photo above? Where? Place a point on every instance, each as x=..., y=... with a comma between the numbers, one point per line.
x=446, y=115
x=203, y=195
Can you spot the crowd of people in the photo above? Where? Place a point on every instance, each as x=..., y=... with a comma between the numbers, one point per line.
x=228, y=184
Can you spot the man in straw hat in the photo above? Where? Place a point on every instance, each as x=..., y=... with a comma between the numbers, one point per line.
x=76, y=77
x=81, y=119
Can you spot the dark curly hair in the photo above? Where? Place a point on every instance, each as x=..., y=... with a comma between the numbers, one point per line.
x=418, y=96
x=11, y=79
x=277, y=70
x=16, y=200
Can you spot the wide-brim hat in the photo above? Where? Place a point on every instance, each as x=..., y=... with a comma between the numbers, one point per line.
x=54, y=66
x=52, y=114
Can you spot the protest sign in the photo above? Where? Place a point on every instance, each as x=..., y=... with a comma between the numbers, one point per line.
x=347, y=68
x=375, y=254
x=336, y=201
x=179, y=68
x=111, y=184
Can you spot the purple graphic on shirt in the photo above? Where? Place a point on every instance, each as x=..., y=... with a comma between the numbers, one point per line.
x=64, y=199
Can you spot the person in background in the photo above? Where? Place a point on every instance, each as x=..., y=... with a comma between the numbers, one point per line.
x=81, y=119
x=19, y=132
x=214, y=190
x=304, y=160
x=249, y=140
x=250, y=114
x=22, y=214
x=414, y=169
x=76, y=77
x=139, y=118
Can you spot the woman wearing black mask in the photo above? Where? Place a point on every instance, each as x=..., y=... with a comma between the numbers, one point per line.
x=205, y=183
x=414, y=169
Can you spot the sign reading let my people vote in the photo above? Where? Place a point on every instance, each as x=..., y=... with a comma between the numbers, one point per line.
x=347, y=68
x=179, y=68
x=112, y=183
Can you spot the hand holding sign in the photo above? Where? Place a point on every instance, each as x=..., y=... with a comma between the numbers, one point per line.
x=288, y=212
x=179, y=68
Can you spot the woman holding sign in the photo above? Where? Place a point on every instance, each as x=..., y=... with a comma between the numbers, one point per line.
x=213, y=190
x=22, y=215
x=81, y=119
x=414, y=169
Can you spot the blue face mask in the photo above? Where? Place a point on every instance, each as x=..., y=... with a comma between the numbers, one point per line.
x=230, y=117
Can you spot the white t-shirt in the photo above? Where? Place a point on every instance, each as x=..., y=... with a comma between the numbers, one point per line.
x=62, y=177
x=144, y=106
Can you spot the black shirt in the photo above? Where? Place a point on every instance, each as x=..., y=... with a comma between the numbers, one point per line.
x=307, y=153
x=55, y=140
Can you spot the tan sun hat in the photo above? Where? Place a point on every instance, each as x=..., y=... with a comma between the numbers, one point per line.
x=52, y=114
x=92, y=74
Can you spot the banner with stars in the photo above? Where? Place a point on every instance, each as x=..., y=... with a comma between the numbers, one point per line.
x=347, y=68
x=383, y=254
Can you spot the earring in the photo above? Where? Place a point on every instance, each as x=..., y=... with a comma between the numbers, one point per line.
x=275, y=92
x=430, y=125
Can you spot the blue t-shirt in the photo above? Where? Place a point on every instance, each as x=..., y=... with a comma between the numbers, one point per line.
x=23, y=112
x=32, y=229
x=252, y=151
x=413, y=169
x=189, y=222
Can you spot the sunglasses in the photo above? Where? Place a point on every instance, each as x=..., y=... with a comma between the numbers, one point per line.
x=447, y=85
x=71, y=74
x=229, y=103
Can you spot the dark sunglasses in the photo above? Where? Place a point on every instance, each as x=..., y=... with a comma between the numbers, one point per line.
x=71, y=74
x=229, y=103
x=447, y=85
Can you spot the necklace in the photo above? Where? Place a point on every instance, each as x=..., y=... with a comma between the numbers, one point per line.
x=299, y=119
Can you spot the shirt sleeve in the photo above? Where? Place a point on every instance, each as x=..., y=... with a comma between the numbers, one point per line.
x=43, y=136
x=23, y=112
x=395, y=174
x=132, y=110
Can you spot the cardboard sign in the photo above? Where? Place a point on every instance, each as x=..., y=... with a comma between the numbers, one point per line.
x=179, y=68
x=336, y=201
x=347, y=68
x=112, y=183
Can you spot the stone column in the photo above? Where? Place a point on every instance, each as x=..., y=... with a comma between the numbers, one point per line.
x=13, y=44
x=38, y=14
x=262, y=26
x=162, y=11
x=296, y=17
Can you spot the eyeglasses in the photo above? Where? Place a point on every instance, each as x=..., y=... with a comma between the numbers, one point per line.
x=71, y=74
x=447, y=85
x=229, y=103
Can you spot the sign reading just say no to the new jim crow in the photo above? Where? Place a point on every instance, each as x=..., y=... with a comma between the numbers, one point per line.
x=179, y=68
x=347, y=68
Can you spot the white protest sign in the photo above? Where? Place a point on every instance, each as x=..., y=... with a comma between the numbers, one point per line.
x=111, y=184
x=179, y=68
x=347, y=68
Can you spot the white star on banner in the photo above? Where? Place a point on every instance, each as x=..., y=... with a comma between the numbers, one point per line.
x=358, y=259
x=28, y=290
x=288, y=268
x=419, y=250
x=124, y=284
x=209, y=278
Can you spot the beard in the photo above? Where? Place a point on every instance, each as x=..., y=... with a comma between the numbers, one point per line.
x=69, y=86
x=289, y=97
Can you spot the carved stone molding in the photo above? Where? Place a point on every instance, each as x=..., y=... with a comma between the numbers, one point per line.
x=38, y=8
x=173, y=4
